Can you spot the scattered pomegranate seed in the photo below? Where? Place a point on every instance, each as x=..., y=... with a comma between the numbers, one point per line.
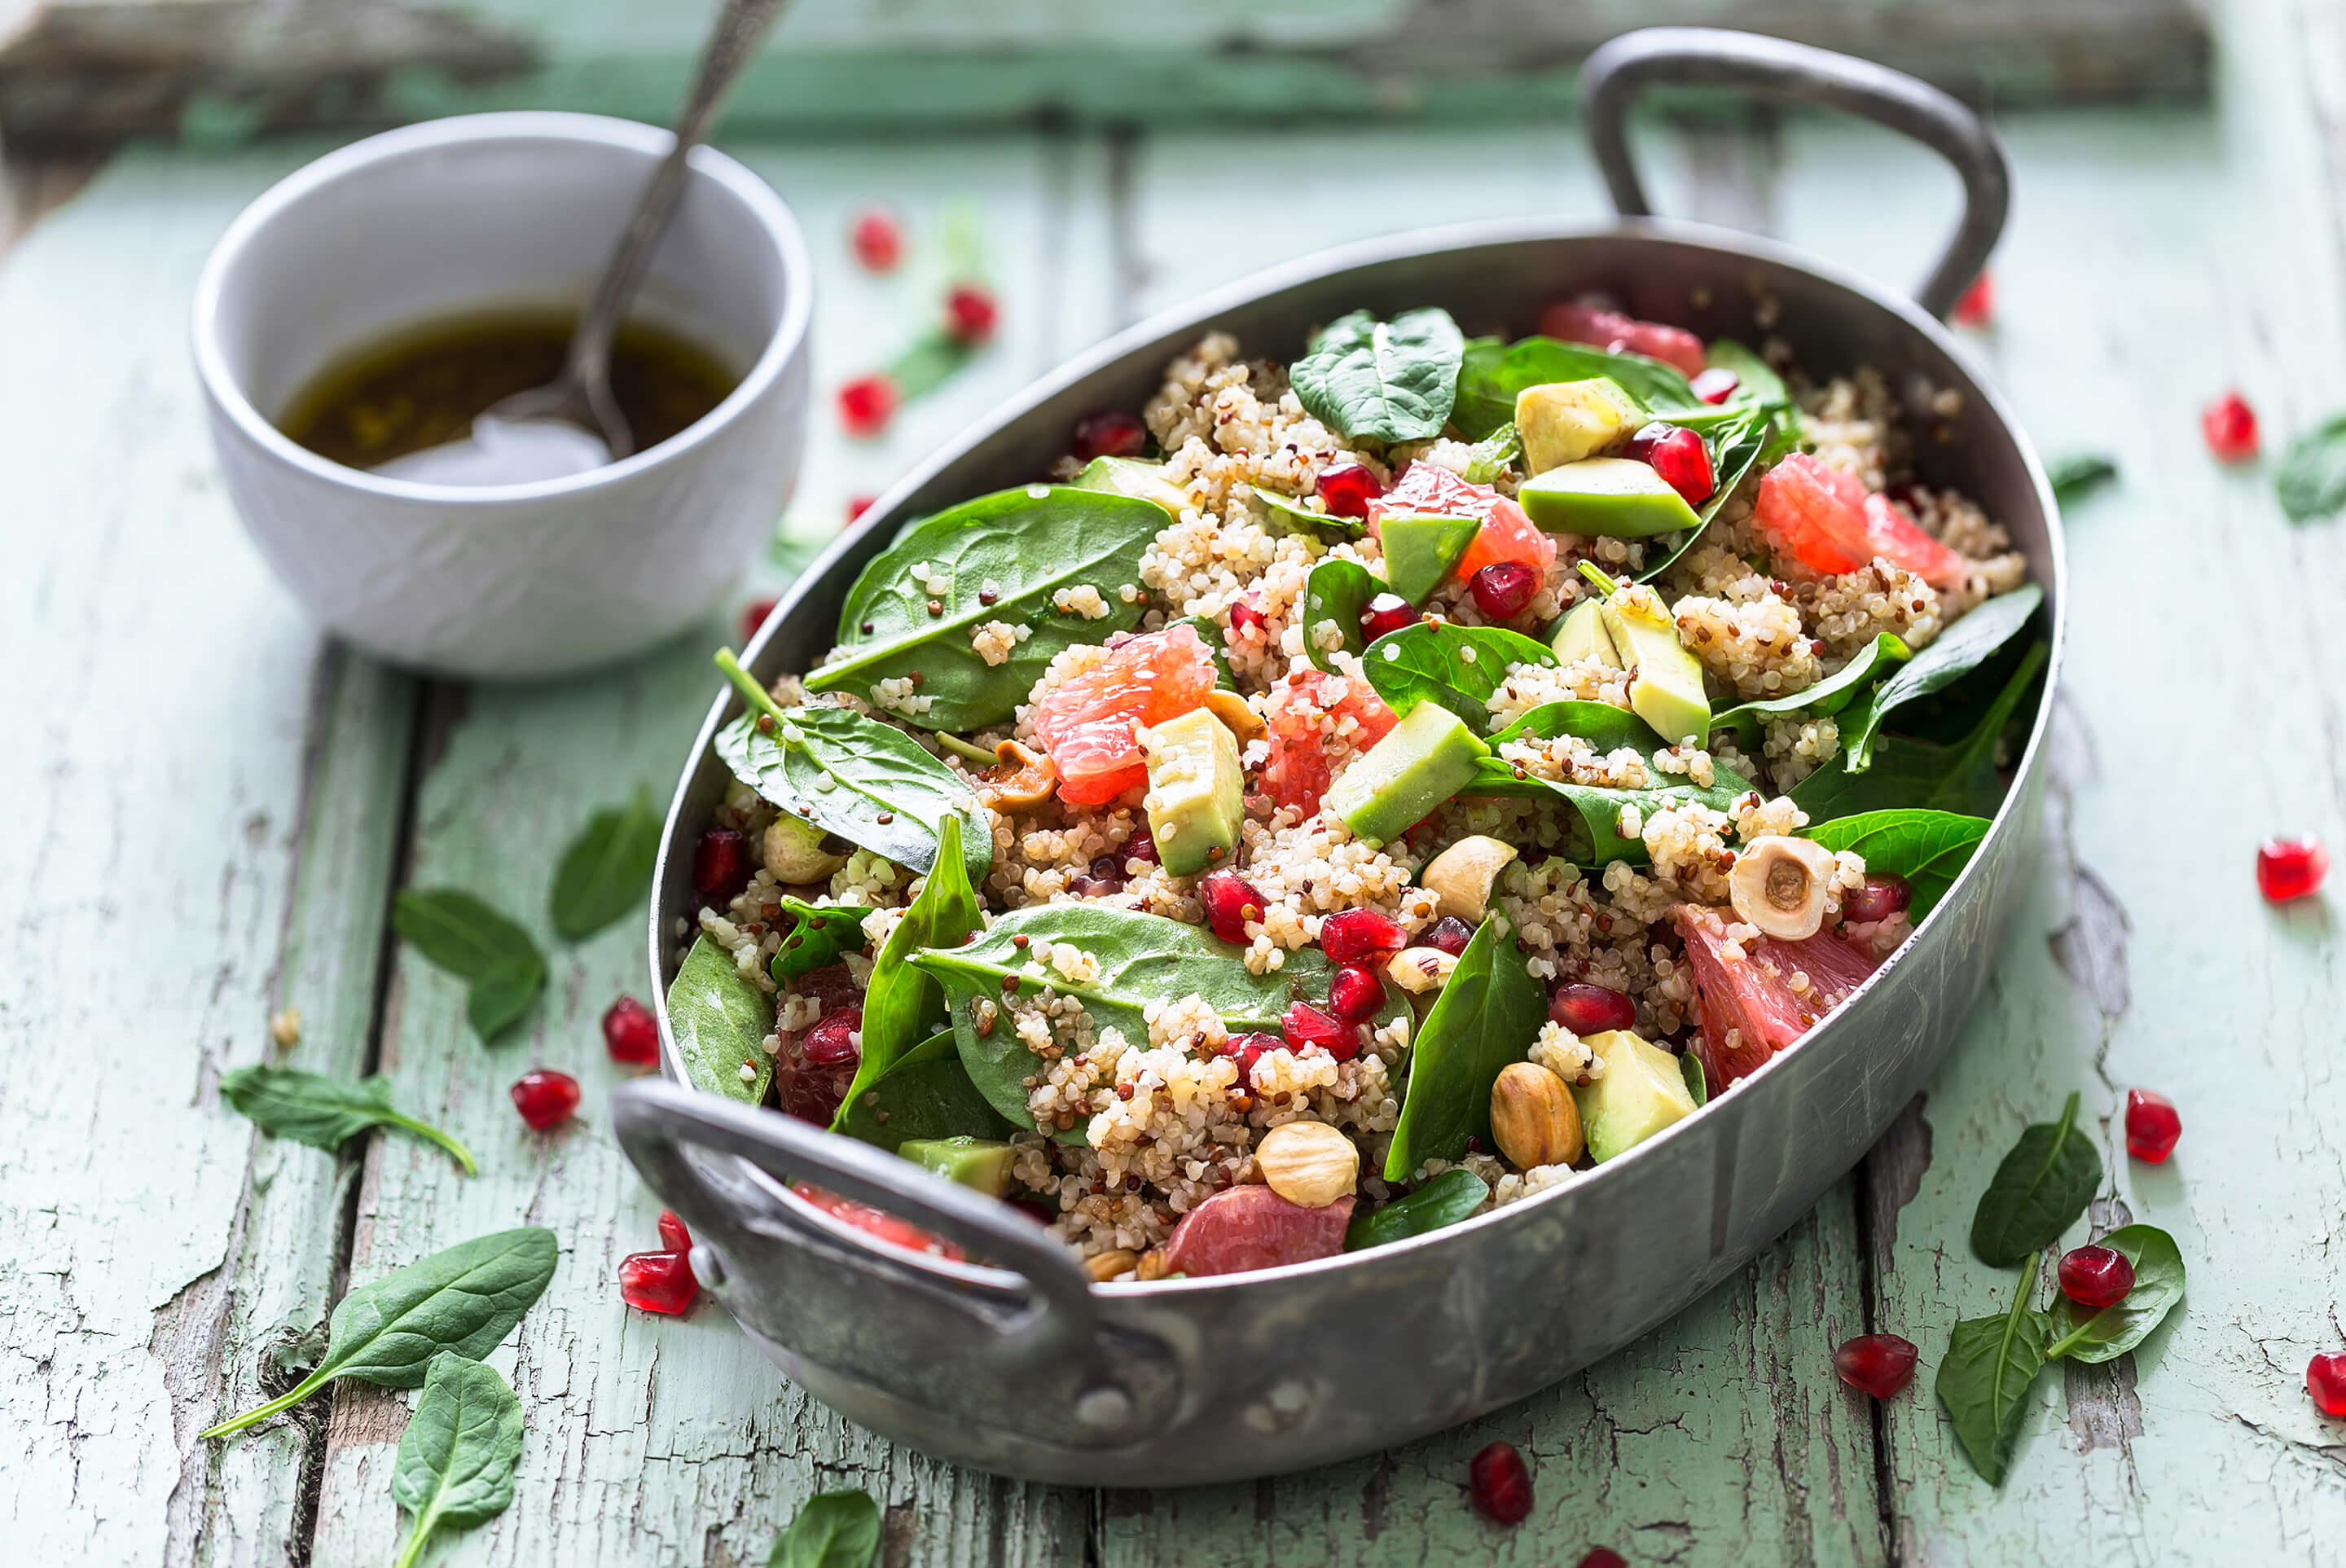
x=1591, y=1009
x=878, y=240
x=1307, y=1026
x=1230, y=901
x=1355, y=995
x=1498, y=1484
x=1879, y=898
x=2151, y=1126
x=1246, y=1050
x=970, y=312
x=1679, y=456
x=721, y=865
x=1387, y=613
x=2231, y=426
x=1360, y=936
x=1876, y=1364
x=2096, y=1276
x=1504, y=589
x=544, y=1097
x=831, y=1044
x=1112, y=434
x=673, y=1236
x=2325, y=1380
x=1141, y=846
x=857, y=506
x=1976, y=308
x=1347, y=488
x=1451, y=934
x=1107, y=876
x=2290, y=867
x=755, y=616
x=867, y=403
x=1604, y=1557
x=630, y=1033
x=1716, y=385
x=1246, y=615
x=657, y=1282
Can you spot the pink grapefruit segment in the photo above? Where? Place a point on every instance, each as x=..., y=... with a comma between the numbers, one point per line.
x=1750, y=1005
x=1087, y=722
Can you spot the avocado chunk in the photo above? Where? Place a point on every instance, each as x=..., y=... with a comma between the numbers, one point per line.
x=1423, y=761
x=1195, y=791
x=1613, y=495
x=1642, y=1092
x=1420, y=550
x=980, y=1163
x=1665, y=684
x=1581, y=635
x=1133, y=476
x=1564, y=422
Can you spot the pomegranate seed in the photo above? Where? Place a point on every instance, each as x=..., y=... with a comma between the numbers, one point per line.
x=1360, y=936
x=2151, y=1126
x=673, y=1236
x=1876, y=1364
x=1498, y=1484
x=544, y=1097
x=1307, y=1026
x=1387, y=613
x=721, y=865
x=1451, y=934
x=828, y=1043
x=970, y=314
x=630, y=1033
x=2290, y=867
x=1230, y=901
x=1716, y=385
x=657, y=1282
x=1976, y=308
x=857, y=506
x=1879, y=898
x=1504, y=589
x=1246, y=1050
x=2231, y=426
x=879, y=242
x=1111, y=434
x=867, y=403
x=2325, y=1380
x=1604, y=1557
x=1355, y=995
x=1678, y=455
x=1591, y=1009
x=1141, y=846
x=1246, y=615
x=755, y=616
x=1347, y=488
x=2096, y=1276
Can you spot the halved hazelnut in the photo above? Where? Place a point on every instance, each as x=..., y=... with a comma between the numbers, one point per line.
x=1104, y=1266
x=1236, y=717
x=1307, y=1163
x=1779, y=885
x=1463, y=875
x=793, y=850
x=1020, y=779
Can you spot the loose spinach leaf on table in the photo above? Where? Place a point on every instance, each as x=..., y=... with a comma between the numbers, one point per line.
x=461, y=934
x=2039, y=1190
x=465, y=1300
x=2086, y=1335
x=1027, y=544
x=2078, y=475
x=1915, y=774
x=2311, y=482
x=1959, y=649
x=926, y=1094
x=1487, y=1014
x=457, y=1457
x=904, y=1005
x=1392, y=381
x=823, y=934
x=1339, y=591
x=1456, y=1194
x=324, y=1113
x=1829, y=696
x=832, y=1530
x=1929, y=849
x=1490, y=456
x=1457, y=666
x=1985, y=1380
x=1288, y=512
x=606, y=869
x=721, y=1021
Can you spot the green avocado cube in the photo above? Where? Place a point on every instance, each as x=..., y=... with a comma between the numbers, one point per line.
x=1643, y=1091
x=1618, y=496
x=1420, y=550
x=1423, y=761
x=1133, y=476
x=1564, y=422
x=980, y=1163
x=1581, y=635
x=1196, y=790
x=1666, y=685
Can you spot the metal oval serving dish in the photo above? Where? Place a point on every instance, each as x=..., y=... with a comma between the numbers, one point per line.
x=1026, y=1367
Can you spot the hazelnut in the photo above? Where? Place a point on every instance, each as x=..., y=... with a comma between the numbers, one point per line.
x=1779, y=885
x=1236, y=717
x=1020, y=781
x=793, y=851
x=1420, y=969
x=1534, y=1117
x=1462, y=876
x=1151, y=1264
x=1307, y=1163
x=1104, y=1266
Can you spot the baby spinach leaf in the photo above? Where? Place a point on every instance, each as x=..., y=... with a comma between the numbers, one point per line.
x=1607, y=729
x=832, y=1530
x=466, y=937
x=606, y=869
x=1958, y=650
x=902, y=1005
x=1392, y=381
x=1831, y=694
x=1487, y=1014
x=721, y=1021
x=2039, y=1190
x=1457, y=666
x=926, y=1094
x=1142, y=958
x=465, y=1300
x=2106, y=1335
x=1915, y=774
x=1756, y=380
x=1289, y=514
x=823, y=934
x=2078, y=475
x=2311, y=480
x=1690, y=1069
x=1456, y=1194
x=1751, y=442
x=1490, y=456
x=1491, y=374
x=324, y=1113
x=457, y=1457
x=1929, y=849
x=500, y=996
x=1001, y=558
x=1336, y=590
x=1984, y=1380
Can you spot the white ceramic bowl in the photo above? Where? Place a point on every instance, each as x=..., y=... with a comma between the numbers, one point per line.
x=487, y=211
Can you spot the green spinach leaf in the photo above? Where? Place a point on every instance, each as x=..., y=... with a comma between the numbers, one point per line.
x=324, y=1113
x=1491, y=374
x=1388, y=381
x=1756, y=382
x=1289, y=514
x=904, y=1005
x=1958, y=651
x=2311, y=482
x=2039, y=1190
x=1831, y=694
x=1915, y=774
x=1487, y=1014
x=1457, y=666
x=823, y=934
x=1983, y=1383
x=1929, y=849
x=1336, y=590
x=1001, y=558
x=606, y=869
x=459, y=934
x=1607, y=728
x=1690, y=1069
x=926, y=1094
x=832, y=1530
x=465, y=1300
x=2106, y=1335
x=1490, y=456
x=1456, y=1194
x=1752, y=441
x=2078, y=475
x=720, y=1021
x=457, y=1457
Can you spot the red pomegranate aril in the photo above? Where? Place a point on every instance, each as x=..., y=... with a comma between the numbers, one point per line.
x=1604, y=1557
x=1504, y=589
x=1347, y=488
x=1976, y=308
x=1450, y=935
x=2096, y=1276
x=544, y=1097
x=866, y=404
x=1305, y=1024
x=2152, y=1125
x=2229, y=425
x=1230, y=901
x=673, y=1236
x=879, y=241
x=970, y=312
x=1498, y=1484
x=1246, y=616
x=1360, y=936
x=857, y=506
x=1591, y=1009
x=659, y=1282
x=1876, y=1364
x=1111, y=434
x=755, y=616
x=2290, y=867
x=1246, y=1050
x=830, y=1042
x=1355, y=995
x=1879, y=898
x=1716, y=385
x=720, y=858
x=2325, y=1380
x=630, y=1033
x=1679, y=456
x=1387, y=613
x=1141, y=846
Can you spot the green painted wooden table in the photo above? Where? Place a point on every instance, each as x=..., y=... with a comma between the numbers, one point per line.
x=207, y=808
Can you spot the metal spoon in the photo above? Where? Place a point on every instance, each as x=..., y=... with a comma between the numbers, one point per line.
x=572, y=424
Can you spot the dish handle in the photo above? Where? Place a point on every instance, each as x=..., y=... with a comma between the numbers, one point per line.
x=1618, y=71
